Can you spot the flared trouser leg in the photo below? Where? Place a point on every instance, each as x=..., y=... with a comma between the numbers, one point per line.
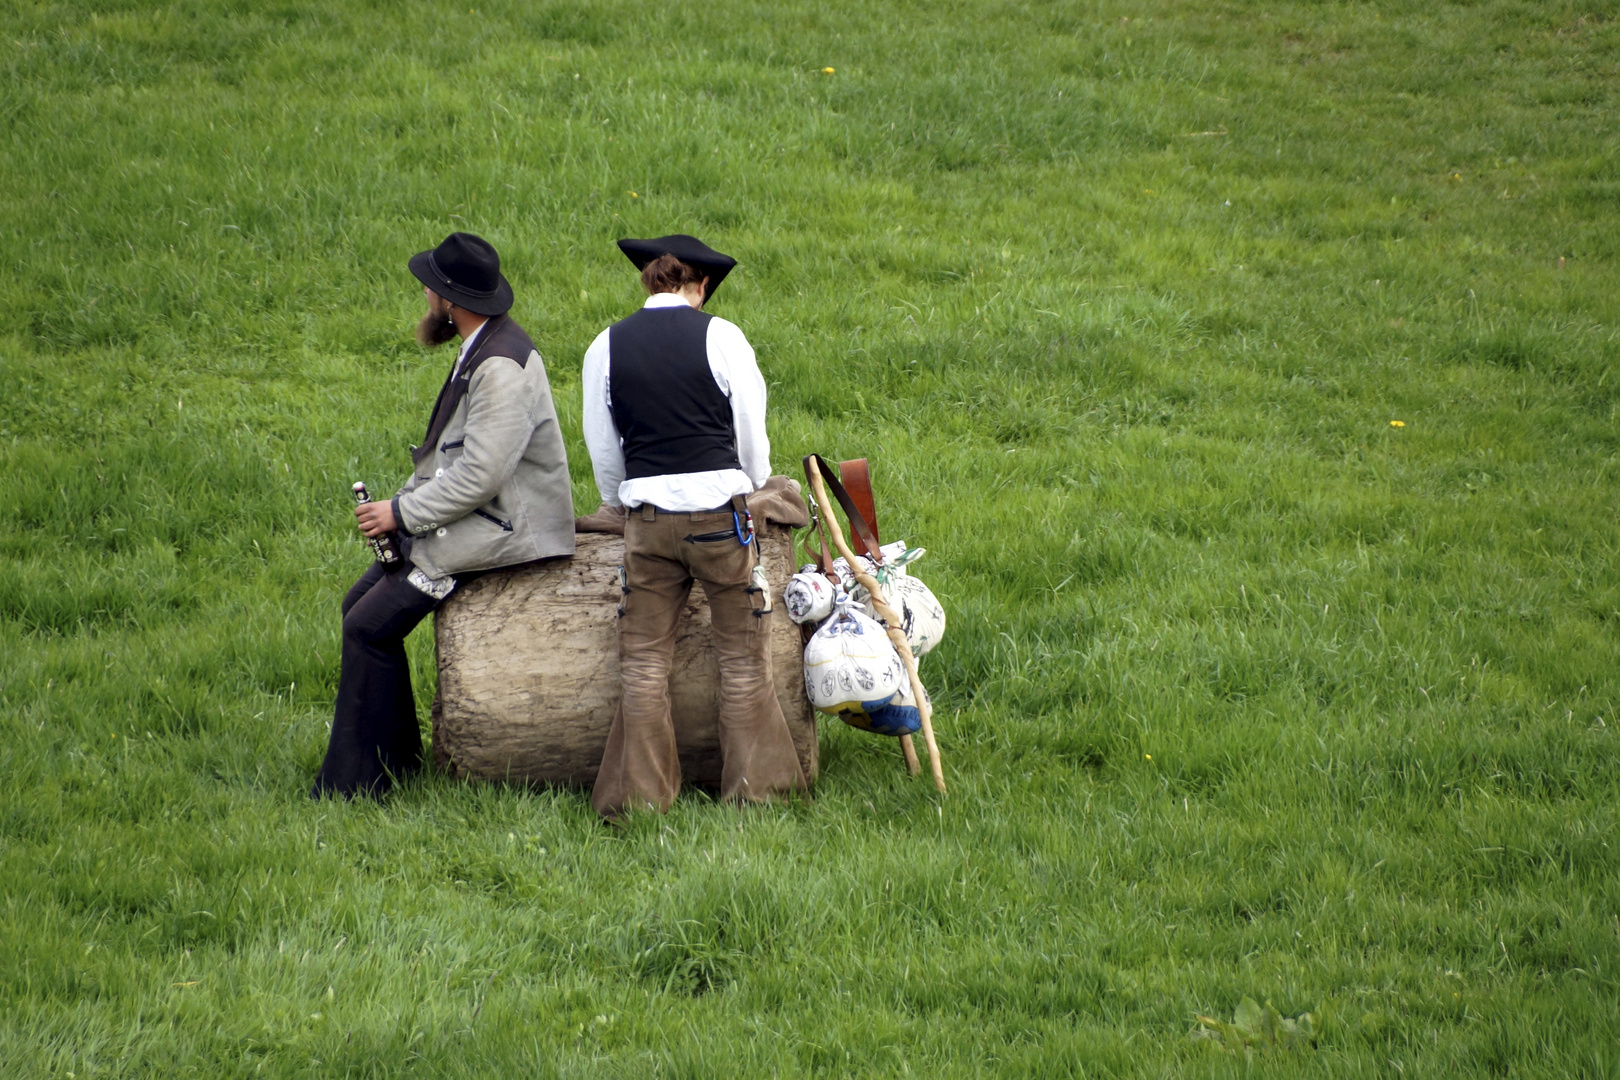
x=375, y=738
x=759, y=759
x=640, y=766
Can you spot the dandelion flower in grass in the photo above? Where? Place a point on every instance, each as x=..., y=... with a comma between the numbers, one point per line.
x=1148, y=756
x=633, y=195
x=828, y=71
x=1397, y=423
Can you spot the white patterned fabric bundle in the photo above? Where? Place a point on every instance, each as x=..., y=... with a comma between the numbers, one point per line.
x=850, y=668
x=921, y=615
x=840, y=565
x=808, y=596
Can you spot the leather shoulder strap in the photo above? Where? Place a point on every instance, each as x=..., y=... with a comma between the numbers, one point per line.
x=857, y=478
x=857, y=522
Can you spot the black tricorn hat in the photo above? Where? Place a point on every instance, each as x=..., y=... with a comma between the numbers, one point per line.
x=689, y=249
x=465, y=270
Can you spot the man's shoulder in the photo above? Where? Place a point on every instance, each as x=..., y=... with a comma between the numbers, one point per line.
x=664, y=312
x=726, y=331
x=509, y=340
x=498, y=370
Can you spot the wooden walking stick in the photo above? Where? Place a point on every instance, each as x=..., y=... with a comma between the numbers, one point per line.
x=896, y=626
x=909, y=750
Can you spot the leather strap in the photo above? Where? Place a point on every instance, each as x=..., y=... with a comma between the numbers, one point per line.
x=825, y=560
x=857, y=522
x=857, y=480
x=818, y=527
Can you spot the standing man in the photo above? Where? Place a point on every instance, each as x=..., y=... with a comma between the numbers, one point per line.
x=489, y=488
x=675, y=424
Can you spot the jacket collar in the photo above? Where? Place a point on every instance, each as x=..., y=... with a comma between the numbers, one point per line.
x=455, y=386
x=475, y=345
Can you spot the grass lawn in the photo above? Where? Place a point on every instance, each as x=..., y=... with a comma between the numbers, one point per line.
x=1251, y=372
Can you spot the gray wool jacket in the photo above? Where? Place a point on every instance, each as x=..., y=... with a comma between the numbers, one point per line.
x=490, y=485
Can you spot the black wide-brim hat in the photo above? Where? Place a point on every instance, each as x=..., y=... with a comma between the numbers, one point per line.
x=465, y=270
x=689, y=249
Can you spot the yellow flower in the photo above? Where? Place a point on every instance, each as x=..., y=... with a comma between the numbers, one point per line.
x=1397, y=423
x=1149, y=757
x=828, y=71
x=633, y=195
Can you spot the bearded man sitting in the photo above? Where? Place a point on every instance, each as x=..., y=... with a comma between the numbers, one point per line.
x=489, y=488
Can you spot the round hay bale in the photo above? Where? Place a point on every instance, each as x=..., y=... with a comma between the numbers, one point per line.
x=529, y=670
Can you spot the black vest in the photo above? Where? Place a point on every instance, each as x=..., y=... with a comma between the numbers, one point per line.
x=499, y=337
x=668, y=409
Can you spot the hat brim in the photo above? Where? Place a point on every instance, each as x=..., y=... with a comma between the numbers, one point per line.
x=498, y=303
x=711, y=264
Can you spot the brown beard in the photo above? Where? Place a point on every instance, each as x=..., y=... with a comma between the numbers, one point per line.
x=435, y=330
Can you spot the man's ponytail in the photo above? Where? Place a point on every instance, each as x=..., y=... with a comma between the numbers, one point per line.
x=668, y=274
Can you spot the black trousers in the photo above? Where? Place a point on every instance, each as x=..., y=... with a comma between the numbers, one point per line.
x=374, y=734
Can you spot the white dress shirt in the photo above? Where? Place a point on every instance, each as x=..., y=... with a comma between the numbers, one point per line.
x=736, y=373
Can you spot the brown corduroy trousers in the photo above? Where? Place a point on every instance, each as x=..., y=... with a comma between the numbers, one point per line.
x=663, y=554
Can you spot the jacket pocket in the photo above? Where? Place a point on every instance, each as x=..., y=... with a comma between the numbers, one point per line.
x=711, y=537
x=445, y=448
x=487, y=516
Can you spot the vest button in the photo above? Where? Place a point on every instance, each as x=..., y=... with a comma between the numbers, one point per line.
x=439, y=472
x=441, y=532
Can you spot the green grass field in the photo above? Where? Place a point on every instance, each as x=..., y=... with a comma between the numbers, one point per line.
x=1246, y=692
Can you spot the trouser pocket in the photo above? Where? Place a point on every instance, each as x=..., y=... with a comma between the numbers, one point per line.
x=717, y=557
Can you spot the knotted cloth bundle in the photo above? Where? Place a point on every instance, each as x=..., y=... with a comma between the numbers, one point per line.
x=850, y=668
x=922, y=617
x=808, y=595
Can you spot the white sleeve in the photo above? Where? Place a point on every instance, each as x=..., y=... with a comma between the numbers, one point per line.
x=601, y=435
x=736, y=372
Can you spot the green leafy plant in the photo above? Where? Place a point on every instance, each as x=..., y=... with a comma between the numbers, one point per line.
x=1254, y=1028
